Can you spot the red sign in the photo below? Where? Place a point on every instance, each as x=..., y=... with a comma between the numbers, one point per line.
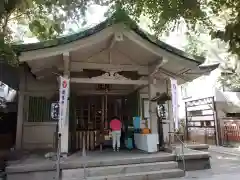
x=64, y=84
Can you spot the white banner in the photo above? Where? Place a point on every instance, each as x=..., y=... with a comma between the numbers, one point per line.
x=174, y=91
x=63, y=100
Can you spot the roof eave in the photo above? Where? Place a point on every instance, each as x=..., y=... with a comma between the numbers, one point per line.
x=83, y=34
x=210, y=67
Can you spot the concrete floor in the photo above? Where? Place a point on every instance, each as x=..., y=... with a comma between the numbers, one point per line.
x=224, y=167
x=109, y=154
x=96, y=158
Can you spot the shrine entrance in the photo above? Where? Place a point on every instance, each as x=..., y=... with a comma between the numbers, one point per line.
x=90, y=116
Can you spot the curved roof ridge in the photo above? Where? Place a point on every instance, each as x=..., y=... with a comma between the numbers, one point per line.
x=99, y=27
x=167, y=47
x=61, y=40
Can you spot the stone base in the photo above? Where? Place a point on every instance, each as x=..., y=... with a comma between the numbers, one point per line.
x=195, y=155
x=199, y=147
x=152, y=175
x=195, y=164
x=101, y=166
x=42, y=175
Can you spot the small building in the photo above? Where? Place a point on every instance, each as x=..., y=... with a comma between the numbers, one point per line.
x=216, y=112
x=114, y=69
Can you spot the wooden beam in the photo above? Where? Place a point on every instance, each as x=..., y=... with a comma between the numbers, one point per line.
x=109, y=81
x=78, y=66
x=143, y=43
x=45, y=72
x=73, y=46
x=138, y=88
x=38, y=70
x=153, y=69
x=111, y=92
x=172, y=75
x=117, y=37
x=112, y=43
x=157, y=50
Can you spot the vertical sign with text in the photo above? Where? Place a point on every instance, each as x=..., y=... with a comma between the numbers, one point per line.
x=55, y=111
x=174, y=90
x=63, y=100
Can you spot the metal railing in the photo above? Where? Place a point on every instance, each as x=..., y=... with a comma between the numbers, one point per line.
x=180, y=155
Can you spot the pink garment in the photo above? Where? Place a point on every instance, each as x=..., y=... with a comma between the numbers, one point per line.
x=116, y=125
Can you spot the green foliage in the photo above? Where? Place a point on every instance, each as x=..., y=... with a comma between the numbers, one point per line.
x=230, y=81
x=7, y=54
x=230, y=34
x=194, y=45
x=45, y=18
x=167, y=14
x=229, y=78
x=45, y=28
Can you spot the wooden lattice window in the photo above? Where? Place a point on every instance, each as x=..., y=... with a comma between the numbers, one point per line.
x=39, y=109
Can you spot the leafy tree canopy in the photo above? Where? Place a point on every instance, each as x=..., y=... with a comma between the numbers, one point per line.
x=230, y=75
x=46, y=19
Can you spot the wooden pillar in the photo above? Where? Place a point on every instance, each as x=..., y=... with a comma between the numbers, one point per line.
x=217, y=124
x=20, y=113
x=170, y=113
x=152, y=106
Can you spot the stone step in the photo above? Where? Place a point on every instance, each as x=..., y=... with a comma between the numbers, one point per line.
x=120, y=169
x=152, y=175
x=125, y=169
x=112, y=161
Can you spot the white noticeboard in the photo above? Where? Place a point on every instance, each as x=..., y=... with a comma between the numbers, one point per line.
x=174, y=91
x=63, y=100
x=146, y=114
x=146, y=108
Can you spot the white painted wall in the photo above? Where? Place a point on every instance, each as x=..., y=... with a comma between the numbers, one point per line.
x=160, y=86
x=199, y=88
x=41, y=87
x=38, y=134
x=208, y=86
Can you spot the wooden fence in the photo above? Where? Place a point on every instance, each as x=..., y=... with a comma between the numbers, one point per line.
x=202, y=135
x=231, y=130
x=92, y=139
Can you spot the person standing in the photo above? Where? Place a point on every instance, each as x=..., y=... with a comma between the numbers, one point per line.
x=116, y=126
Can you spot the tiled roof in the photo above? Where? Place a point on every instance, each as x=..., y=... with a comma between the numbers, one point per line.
x=83, y=34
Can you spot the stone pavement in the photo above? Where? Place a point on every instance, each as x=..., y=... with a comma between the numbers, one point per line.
x=190, y=176
x=225, y=150
x=224, y=166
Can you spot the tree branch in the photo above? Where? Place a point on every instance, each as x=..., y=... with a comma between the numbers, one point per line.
x=5, y=23
x=19, y=15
